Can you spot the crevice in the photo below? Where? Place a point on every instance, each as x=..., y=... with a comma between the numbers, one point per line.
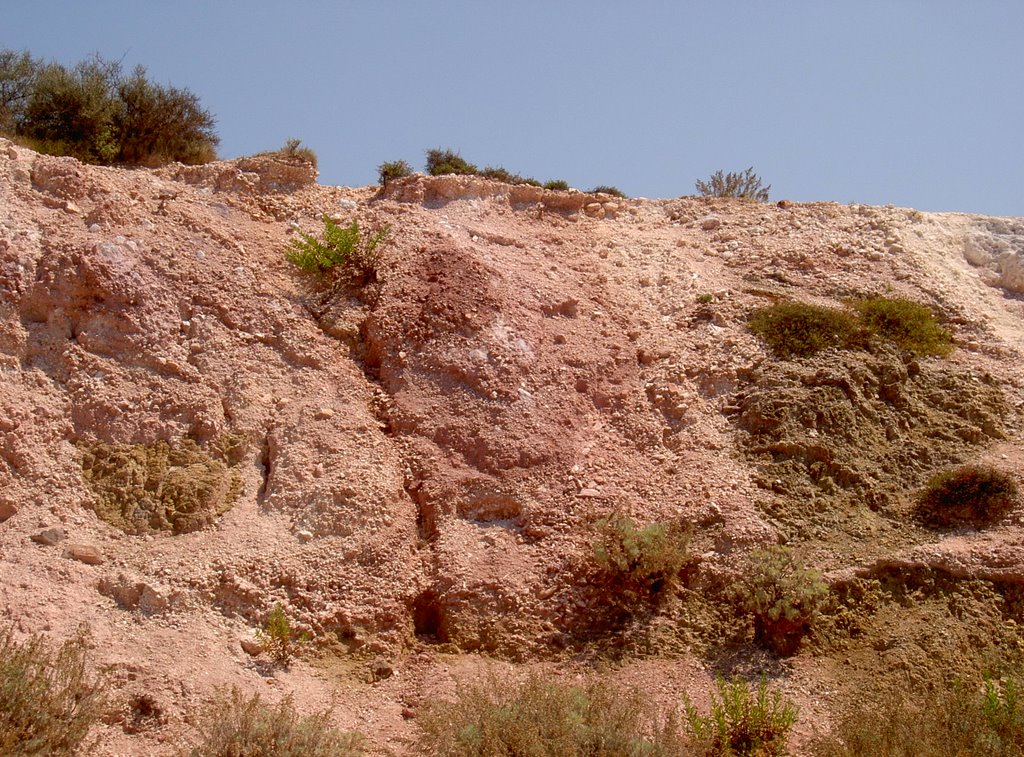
x=265, y=463
x=428, y=620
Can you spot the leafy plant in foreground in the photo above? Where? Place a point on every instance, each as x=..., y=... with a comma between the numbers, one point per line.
x=742, y=722
x=48, y=701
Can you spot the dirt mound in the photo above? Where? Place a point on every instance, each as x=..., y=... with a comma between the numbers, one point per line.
x=192, y=433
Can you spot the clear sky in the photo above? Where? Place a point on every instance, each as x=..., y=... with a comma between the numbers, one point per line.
x=918, y=103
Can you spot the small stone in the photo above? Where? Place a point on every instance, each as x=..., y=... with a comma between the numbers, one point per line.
x=7, y=509
x=379, y=670
x=70, y=207
x=88, y=553
x=305, y=536
x=250, y=646
x=711, y=223
x=324, y=413
x=590, y=493
x=48, y=537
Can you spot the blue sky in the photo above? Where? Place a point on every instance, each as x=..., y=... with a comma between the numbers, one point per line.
x=918, y=103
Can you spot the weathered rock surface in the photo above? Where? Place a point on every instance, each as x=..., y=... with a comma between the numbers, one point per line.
x=419, y=467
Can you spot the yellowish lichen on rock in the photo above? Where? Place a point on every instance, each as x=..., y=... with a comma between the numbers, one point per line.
x=177, y=486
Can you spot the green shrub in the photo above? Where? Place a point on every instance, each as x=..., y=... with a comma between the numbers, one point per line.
x=542, y=718
x=391, y=170
x=155, y=124
x=345, y=254
x=640, y=563
x=441, y=162
x=742, y=722
x=908, y=324
x=557, y=184
x=953, y=721
x=18, y=74
x=149, y=488
x=746, y=185
x=293, y=150
x=278, y=637
x=48, y=702
x=782, y=596
x=95, y=113
x=706, y=298
x=798, y=329
x=970, y=495
x=240, y=727
x=608, y=190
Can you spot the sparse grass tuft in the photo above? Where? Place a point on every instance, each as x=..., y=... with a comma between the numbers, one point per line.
x=557, y=184
x=48, y=702
x=605, y=189
x=741, y=722
x=293, y=151
x=746, y=185
x=345, y=255
x=970, y=495
x=798, y=329
x=908, y=324
x=240, y=727
x=541, y=718
x=782, y=595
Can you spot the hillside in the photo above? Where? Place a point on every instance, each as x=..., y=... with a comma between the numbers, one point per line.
x=414, y=469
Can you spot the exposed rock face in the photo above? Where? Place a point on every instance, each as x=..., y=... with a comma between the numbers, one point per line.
x=418, y=465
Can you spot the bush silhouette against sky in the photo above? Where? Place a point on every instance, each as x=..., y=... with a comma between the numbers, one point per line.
x=906, y=102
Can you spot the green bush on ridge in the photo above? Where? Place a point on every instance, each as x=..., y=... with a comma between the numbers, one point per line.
x=96, y=113
x=746, y=186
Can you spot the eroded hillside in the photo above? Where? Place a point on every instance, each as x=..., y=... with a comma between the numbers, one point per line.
x=191, y=432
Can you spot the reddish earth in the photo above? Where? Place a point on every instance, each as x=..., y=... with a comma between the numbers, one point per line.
x=421, y=464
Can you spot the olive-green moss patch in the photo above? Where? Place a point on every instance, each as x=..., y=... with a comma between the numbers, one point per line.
x=177, y=487
x=799, y=329
x=842, y=439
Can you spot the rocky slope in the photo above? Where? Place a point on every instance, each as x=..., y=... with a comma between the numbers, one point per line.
x=414, y=470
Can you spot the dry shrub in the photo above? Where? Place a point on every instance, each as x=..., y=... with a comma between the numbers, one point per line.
x=970, y=495
x=443, y=161
x=240, y=727
x=165, y=486
x=48, y=701
x=746, y=185
x=546, y=719
x=954, y=721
